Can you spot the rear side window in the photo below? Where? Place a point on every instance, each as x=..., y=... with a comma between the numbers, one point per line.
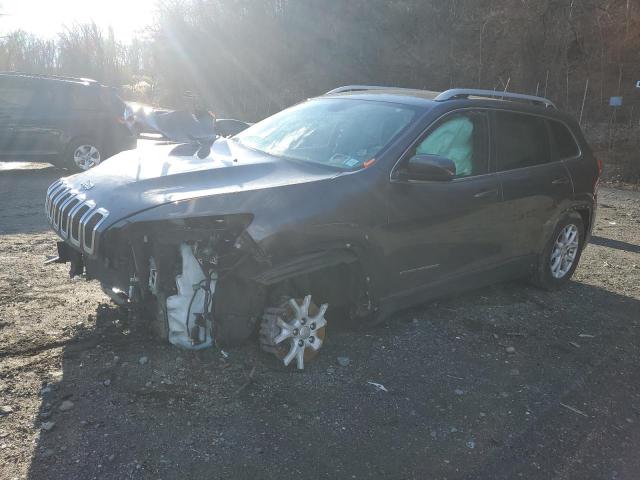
x=521, y=141
x=15, y=96
x=83, y=98
x=563, y=140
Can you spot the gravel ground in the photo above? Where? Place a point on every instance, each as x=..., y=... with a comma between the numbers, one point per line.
x=500, y=383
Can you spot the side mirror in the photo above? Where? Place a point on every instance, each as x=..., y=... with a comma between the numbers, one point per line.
x=430, y=167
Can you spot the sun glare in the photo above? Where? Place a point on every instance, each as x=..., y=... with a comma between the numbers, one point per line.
x=47, y=18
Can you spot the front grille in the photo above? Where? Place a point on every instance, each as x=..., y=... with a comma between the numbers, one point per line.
x=73, y=217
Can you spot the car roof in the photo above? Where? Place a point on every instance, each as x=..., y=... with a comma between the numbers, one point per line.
x=407, y=96
x=63, y=80
x=454, y=98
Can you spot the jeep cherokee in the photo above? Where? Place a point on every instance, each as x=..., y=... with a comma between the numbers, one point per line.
x=368, y=199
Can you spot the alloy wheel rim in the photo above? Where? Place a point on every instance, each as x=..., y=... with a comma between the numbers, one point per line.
x=86, y=157
x=565, y=251
x=303, y=329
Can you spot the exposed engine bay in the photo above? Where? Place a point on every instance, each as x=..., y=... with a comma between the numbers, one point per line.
x=200, y=282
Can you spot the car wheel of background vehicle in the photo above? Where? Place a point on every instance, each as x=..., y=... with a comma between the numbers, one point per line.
x=561, y=254
x=82, y=154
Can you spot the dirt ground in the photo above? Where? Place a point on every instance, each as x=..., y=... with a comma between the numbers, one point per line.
x=565, y=404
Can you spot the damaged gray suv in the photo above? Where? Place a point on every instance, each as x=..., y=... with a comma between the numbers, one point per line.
x=346, y=207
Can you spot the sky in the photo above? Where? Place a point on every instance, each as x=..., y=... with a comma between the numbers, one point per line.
x=46, y=18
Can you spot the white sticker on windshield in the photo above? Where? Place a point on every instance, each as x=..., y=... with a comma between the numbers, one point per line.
x=352, y=162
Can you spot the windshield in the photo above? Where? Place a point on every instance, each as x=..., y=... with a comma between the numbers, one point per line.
x=339, y=132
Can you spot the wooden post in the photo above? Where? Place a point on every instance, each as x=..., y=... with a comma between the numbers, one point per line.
x=584, y=98
x=546, y=84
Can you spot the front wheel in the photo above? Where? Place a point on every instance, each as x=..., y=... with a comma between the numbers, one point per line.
x=294, y=331
x=561, y=254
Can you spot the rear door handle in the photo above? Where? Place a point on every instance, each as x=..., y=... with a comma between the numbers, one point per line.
x=560, y=181
x=487, y=193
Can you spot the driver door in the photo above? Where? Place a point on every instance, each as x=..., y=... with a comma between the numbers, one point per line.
x=439, y=230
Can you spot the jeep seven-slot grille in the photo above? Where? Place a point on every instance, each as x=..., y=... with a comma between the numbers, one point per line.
x=73, y=217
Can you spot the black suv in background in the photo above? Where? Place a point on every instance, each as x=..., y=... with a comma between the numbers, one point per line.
x=365, y=200
x=73, y=123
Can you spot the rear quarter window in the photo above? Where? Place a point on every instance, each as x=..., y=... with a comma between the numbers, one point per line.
x=111, y=100
x=564, y=141
x=521, y=141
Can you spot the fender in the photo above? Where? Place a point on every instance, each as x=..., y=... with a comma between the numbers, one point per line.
x=304, y=264
x=551, y=224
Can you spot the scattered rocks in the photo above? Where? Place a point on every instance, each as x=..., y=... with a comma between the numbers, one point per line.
x=5, y=410
x=47, y=426
x=111, y=457
x=66, y=406
x=471, y=444
x=458, y=391
x=148, y=384
x=107, y=382
x=344, y=361
x=143, y=360
x=510, y=350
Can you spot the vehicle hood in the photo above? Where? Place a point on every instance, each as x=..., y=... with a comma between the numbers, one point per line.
x=158, y=174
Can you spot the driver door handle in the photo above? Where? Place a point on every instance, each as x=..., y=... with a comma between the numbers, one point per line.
x=487, y=193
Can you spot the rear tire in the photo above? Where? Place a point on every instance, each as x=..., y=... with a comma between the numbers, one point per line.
x=81, y=155
x=561, y=254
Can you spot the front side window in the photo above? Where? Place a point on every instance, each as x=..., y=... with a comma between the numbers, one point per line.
x=521, y=141
x=462, y=138
x=343, y=133
x=563, y=140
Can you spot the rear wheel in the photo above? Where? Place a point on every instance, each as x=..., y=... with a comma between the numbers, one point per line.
x=561, y=254
x=82, y=154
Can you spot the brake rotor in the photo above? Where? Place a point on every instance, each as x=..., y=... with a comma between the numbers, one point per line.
x=295, y=330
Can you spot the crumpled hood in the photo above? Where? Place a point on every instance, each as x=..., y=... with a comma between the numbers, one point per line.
x=151, y=175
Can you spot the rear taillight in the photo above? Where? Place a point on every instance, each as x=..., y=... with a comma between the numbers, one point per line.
x=599, y=167
x=597, y=182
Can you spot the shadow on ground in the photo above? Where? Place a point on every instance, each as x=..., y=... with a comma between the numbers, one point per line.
x=456, y=404
x=617, y=244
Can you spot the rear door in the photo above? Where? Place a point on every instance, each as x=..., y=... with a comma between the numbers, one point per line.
x=535, y=184
x=40, y=129
x=440, y=229
x=16, y=95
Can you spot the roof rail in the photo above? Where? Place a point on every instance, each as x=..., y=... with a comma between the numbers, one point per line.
x=359, y=88
x=52, y=77
x=471, y=92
